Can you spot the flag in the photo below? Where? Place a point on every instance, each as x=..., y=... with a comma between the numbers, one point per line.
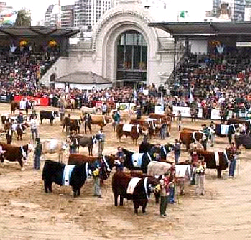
x=8, y=17
x=191, y=99
x=183, y=14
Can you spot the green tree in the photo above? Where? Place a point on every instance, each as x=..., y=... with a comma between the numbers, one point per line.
x=23, y=18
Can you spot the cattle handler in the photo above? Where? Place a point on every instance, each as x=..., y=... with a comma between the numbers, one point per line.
x=200, y=178
x=37, y=154
x=97, y=178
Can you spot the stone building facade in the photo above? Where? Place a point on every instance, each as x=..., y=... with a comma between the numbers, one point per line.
x=123, y=49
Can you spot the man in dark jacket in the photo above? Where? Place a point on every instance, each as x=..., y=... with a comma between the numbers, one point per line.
x=37, y=154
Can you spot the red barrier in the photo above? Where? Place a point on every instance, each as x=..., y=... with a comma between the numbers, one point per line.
x=38, y=101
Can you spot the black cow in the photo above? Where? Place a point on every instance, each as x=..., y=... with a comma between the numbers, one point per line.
x=152, y=149
x=74, y=125
x=129, y=163
x=244, y=140
x=54, y=172
x=3, y=119
x=142, y=190
x=85, y=141
x=51, y=115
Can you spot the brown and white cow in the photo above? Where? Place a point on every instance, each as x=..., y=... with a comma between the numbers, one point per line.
x=214, y=160
x=131, y=130
x=187, y=137
x=15, y=153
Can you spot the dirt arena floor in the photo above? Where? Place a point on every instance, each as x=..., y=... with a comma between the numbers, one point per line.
x=26, y=212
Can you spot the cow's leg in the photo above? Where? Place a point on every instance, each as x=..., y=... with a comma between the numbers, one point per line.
x=51, y=121
x=144, y=206
x=218, y=172
x=21, y=163
x=2, y=158
x=136, y=207
x=50, y=187
x=41, y=120
x=121, y=202
x=115, y=199
x=79, y=192
x=46, y=186
x=75, y=192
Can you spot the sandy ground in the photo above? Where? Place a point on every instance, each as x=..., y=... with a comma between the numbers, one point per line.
x=28, y=213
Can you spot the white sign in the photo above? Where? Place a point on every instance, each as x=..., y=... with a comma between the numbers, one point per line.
x=159, y=110
x=215, y=114
x=185, y=111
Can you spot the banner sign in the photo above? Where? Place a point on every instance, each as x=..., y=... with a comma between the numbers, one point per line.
x=125, y=106
x=38, y=101
x=99, y=103
x=159, y=110
x=185, y=111
x=215, y=114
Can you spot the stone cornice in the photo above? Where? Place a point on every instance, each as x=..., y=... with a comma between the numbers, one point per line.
x=119, y=12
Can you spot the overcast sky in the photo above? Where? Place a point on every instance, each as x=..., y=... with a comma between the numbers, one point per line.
x=38, y=8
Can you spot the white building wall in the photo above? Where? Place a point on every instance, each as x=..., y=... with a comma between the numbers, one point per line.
x=100, y=57
x=83, y=86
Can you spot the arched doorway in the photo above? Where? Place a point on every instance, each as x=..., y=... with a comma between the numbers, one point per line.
x=131, y=59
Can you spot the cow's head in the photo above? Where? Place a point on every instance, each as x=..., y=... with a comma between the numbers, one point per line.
x=55, y=114
x=150, y=183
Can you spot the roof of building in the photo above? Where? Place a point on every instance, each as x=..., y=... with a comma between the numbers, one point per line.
x=183, y=29
x=35, y=31
x=83, y=78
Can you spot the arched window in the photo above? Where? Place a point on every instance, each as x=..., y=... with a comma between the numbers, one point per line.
x=131, y=57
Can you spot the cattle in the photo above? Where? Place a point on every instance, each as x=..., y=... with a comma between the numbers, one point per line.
x=152, y=149
x=162, y=118
x=182, y=173
x=243, y=140
x=100, y=120
x=14, y=153
x=146, y=124
x=85, y=141
x=223, y=130
x=51, y=115
x=4, y=118
x=188, y=137
x=85, y=110
x=145, y=147
x=155, y=168
x=62, y=174
x=139, y=195
x=52, y=146
x=77, y=159
x=137, y=161
x=214, y=160
x=19, y=129
x=13, y=106
x=133, y=131
x=239, y=121
x=74, y=125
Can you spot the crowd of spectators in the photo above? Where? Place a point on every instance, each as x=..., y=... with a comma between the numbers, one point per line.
x=21, y=67
x=220, y=81
x=216, y=81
